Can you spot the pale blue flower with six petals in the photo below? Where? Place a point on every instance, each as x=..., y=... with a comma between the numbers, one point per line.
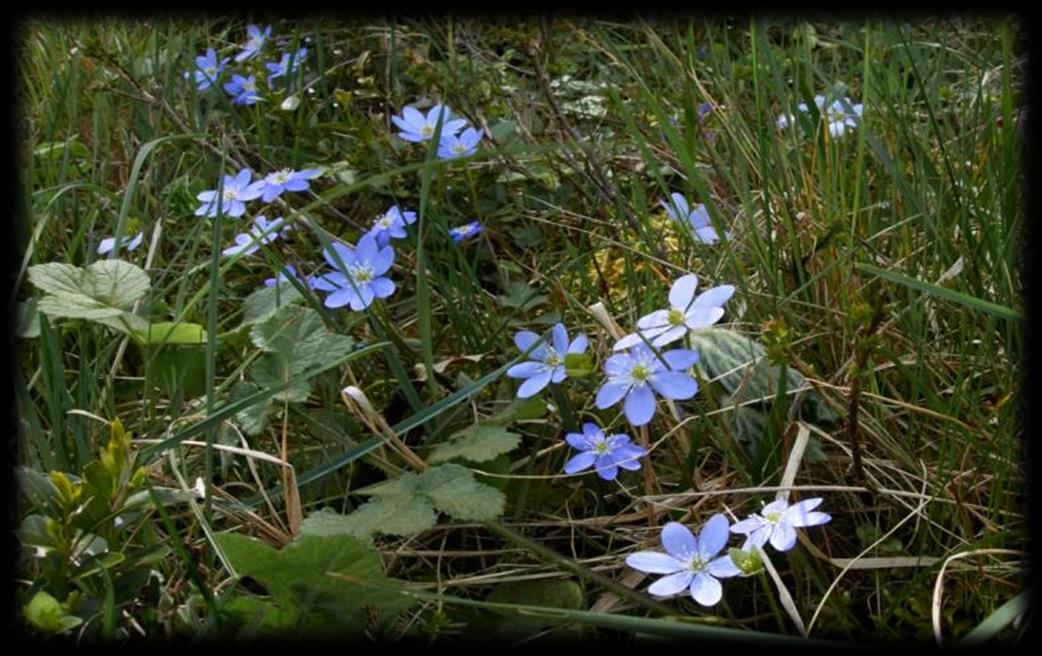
x=777, y=523
x=286, y=180
x=689, y=563
x=604, y=454
x=358, y=277
x=686, y=313
x=254, y=43
x=696, y=220
x=416, y=127
x=391, y=225
x=108, y=243
x=460, y=233
x=634, y=374
x=235, y=192
x=463, y=145
x=208, y=69
x=547, y=360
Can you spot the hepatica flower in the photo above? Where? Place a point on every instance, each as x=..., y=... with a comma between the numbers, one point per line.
x=464, y=145
x=686, y=312
x=357, y=278
x=244, y=90
x=634, y=374
x=459, y=233
x=604, y=454
x=263, y=232
x=208, y=69
x=391, y=225
x=697, y=219
x=236, y=191
x=286, y=180
x=547, y=360
x=417, y=127
x=836, y=115
x=284, y=66
x=778, y=521
x=254, y=43
x=287, y=272
x=108, y=243
x=689, y=562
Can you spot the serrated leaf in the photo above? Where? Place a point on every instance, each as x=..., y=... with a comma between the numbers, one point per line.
x=740, y=364
x=390, y=515
x=27, y=321
x=453, y=490
x=252, y=419
x=297, y=579
x=263, y=303
x=477, y=443
x=102, y=293
x=294, y=340
x=169, y=332
x=521, y=297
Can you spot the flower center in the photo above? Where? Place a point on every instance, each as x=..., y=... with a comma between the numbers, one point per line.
x=249, y=85
x=384, y=221
x=552, y=358
x=676, y=317
x=601, y=448
x=427, y=130
x=697, y=563
x=210, y=71
x=280, y=177
x=459, y=148
x=362, y=274
x=229, y=194
x=773, y=517
x=640, y=373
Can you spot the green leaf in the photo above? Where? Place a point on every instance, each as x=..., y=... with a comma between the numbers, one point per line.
x=263, y=303
x=298, y=582
x=169, y=332
x=740, y=364
x=294, y=340
x=45, y=613
x=519, y=410
x=553, y=594
x=476, y=443
x=103, y=292
x=27, y=321
x=390, y=515
x=578, y=365
x=521, y=297
x=747, y=561
x=253, y=418
x=966, y=300
x=453, y=490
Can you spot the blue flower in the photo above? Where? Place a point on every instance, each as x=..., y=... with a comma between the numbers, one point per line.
x=208, y=69
x=236, y=190
x=466, y=144
x=777, y=523
x=605, y=454
x=286, y=180
x=547, y=360
x=283, y=67
x=244, y=90
x=689, y=563
x=283, y=277
x=459, y=233
x=254, y=43
x=697, y=219
x=359, y=279
x=686, y=313
x=415, y=127
x=391, y=225
x=263, y=232
x=634, y=374
x=108, y=243
x=836, y=115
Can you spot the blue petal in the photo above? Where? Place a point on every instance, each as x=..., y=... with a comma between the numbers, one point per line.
x=723, y=567
x=640, y=405
x=714, y=297
x=678, y=540
x=680, y=359
x=674, y=385
x=579, y=344
x=606, y=468
x=525, y=339
x=574, y=440
x=534, y=384
x=526, y=369
x=713, y=536
x=580, y=462
x=783, y=537
x=682, y=293
x=560, y=338
x=610, y=393
x=382, y=287
x=671, y=585
x=706, y=590
x=653, y=562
